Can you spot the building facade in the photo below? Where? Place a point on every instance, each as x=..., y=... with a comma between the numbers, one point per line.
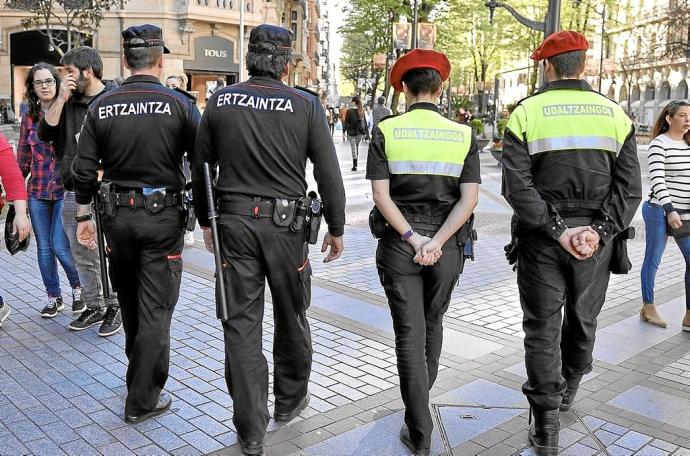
x=644, y=63
x=202, y=35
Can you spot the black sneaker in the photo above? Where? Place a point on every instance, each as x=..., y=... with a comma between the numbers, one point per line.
x=112, y=322
x=78, y=305
x=52, y=308
x=87, y=319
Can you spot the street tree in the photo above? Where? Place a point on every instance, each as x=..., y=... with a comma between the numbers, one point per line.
x=367, y=30
x=66, y=23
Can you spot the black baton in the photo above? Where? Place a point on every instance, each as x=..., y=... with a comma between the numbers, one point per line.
x=105, y=282
x=222, y=312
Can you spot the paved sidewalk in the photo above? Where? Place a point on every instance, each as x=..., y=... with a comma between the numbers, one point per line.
x=63, y=392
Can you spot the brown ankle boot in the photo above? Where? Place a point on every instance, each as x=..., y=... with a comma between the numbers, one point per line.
x=648, y=314
x=686, y=321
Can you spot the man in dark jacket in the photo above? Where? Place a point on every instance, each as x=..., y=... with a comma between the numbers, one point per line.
x=61, y=125
x=571, y=174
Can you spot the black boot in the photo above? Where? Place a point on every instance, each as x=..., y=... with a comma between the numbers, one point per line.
x=354, y=164
x=543, y=434
x=570, y=392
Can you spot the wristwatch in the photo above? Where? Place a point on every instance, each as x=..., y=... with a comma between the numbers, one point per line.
x=83, y=218
x=407, y=235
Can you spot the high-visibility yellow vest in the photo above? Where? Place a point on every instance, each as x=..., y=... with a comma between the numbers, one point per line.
x=422, y=141
x=564, y=119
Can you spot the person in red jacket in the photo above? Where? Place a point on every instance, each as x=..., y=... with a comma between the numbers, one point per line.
x=13, y=182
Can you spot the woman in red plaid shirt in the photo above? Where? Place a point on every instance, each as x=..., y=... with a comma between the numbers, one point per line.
x=45, y=189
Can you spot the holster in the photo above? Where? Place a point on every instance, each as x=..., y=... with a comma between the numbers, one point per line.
x=620, y=262
x=106, y=199
x=190, y=216
x=466, y=237
x=154, y=200
x=377, y=223
x=314, y=214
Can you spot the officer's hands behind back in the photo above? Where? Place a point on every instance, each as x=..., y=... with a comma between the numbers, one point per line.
x=427, y=250
x=581, y=241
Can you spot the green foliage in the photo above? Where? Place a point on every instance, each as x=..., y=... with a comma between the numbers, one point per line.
x=501, y=126
x=478, y=126
x=66, y=23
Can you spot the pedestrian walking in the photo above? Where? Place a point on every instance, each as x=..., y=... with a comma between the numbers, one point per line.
x=139, y=132
x=425, y=185
x=13, y=183
x=356, y=126
x=571, y=175
x=61, y=125
x=379, y=112
x=668, y=209
x=37, y=159
x=261, y=187
x=343, y=115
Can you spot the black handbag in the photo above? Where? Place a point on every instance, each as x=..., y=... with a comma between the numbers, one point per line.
x=683, y=231
x=12, y=241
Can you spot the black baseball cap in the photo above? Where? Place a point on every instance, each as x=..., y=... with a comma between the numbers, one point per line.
x=147, y=35
x=270, y=39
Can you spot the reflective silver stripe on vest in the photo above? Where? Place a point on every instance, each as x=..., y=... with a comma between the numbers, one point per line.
x=424, y=167
x=574, y=142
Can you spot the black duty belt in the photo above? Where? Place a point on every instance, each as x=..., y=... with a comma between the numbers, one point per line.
x=136, y=199
x=256, y=209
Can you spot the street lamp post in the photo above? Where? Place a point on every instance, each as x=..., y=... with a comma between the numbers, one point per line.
x=551, y=24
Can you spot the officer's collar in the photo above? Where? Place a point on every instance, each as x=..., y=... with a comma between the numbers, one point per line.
x=572, y=84
x=141, y=78
x=265, y=79
x=424, y=105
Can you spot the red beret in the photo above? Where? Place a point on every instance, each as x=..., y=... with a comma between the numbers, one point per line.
x=560, y=42
x=419, y=58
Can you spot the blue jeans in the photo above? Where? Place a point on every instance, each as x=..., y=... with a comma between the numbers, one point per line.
x=656, y=237
x=52, y=244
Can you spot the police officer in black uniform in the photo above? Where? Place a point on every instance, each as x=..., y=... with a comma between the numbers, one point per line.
x=260, y=133
x=138, y=134
x=425, y=178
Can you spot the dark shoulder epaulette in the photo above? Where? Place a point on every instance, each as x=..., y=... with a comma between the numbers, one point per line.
x=304, y=89
x=185, y=93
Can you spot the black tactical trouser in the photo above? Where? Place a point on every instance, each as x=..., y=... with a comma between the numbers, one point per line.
x=146, y=269
x=549, y=278
x=256, y=250
x=418, y=297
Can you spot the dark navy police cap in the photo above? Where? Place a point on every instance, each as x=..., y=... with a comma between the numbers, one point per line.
x=270, y=39
x=147, y=35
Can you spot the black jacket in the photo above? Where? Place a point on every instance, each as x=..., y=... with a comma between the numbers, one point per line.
x=353, y=123
x=64, y=134
x=139, y=133
x=544, y=188
x=261, y=133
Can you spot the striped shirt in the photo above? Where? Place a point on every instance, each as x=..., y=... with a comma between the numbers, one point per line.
x=669, y=171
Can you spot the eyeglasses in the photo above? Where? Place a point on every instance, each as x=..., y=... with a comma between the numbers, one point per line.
x=45, y=82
